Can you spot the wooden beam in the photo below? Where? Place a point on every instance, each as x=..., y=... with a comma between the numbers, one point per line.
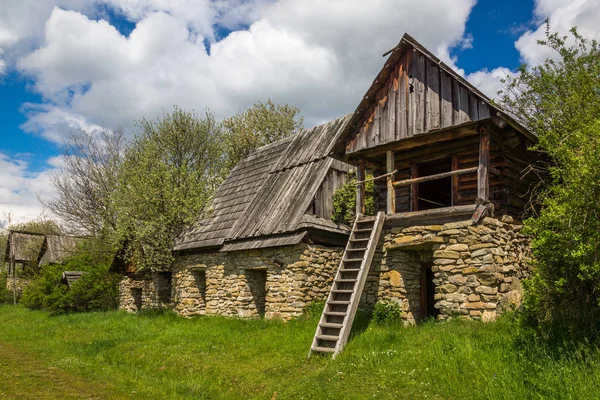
x=432, y=214
x=413, y=181
x=391, y=192
x=455, y=164
x=483, y=182
x=360, y=188
x=423, y=139
x=414, y=189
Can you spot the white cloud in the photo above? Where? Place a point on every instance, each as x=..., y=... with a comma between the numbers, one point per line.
x=20, y=189
x=319, y=56
x=489, y=82
x=563, y=14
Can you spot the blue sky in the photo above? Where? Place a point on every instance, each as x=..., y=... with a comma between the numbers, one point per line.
x=79, y=64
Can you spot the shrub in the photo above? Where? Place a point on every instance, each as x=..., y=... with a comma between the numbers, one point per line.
x=96, y=290
x=344, y=201
x=386, y=312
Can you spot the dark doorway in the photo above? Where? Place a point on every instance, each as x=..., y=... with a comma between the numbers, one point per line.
x=427, y=308
x=436, y=193
x=136, y=293
x=163, y=282
x=257, y=282
x=200, y=281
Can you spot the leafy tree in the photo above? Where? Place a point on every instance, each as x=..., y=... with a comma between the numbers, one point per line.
x=86, y=181
x=257, y=126
x=559, y=101
x=344, y=201
x=170, y=170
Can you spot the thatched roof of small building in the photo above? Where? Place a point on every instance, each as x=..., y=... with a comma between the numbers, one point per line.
x=38, y=248
x=70, y=277
x=263, y=201
x=57, y=248
x=25, y=246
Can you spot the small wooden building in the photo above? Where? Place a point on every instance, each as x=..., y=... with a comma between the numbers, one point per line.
x=26, y=252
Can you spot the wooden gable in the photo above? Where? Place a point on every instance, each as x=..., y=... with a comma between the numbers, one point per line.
x=414, y=93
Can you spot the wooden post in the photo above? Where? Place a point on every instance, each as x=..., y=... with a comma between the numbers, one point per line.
x=13, y=268
x=483, y=183
x=391, y=192
x=360, y=188
x=455, y=181
x=414, y=188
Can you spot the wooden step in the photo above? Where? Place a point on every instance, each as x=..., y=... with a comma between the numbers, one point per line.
x=338, y=302
x=350, y=270
x=360, y=240
x=335, y=313
x=363, y=230
x=362, y=249
x=353, y=260
x=346, y=280
x=341, y=291
x=330, y=338
x=324, y=349
x=331, y=325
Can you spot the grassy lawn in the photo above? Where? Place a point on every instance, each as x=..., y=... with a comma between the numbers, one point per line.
x=115, y=355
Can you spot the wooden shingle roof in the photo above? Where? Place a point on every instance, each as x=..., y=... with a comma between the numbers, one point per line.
x=266, y=195
x=57, y=248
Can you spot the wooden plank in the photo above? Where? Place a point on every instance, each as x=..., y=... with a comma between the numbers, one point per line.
x=408, y=182
x=390, y=112
x=418, y=102
x=473, y=107
x=391, y=192
x=463, y=101
x=410, y=107
x=483, y=184
x=446, y=100
x=433, y=120
x=401, y=101
x=360, y=188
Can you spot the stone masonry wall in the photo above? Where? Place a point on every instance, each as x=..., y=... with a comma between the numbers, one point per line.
x=477, y=268
x=277, y=282
x=137, y=292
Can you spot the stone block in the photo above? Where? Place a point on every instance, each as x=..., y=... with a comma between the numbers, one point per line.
x=446, y=254
x=458, y=225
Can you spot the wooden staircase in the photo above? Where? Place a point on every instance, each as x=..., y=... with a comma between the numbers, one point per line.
x=336, y=321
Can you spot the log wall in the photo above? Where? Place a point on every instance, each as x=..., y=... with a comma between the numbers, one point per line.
x=417, y=96
x=510, y=187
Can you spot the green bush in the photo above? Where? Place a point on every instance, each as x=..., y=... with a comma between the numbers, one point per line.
x=96, y=290
x=559, y=101
x=344, y=201
x=386, y=312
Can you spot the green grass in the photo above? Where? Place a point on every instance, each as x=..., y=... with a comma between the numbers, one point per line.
x=112, y=355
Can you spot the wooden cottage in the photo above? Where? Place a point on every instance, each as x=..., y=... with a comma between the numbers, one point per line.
x=267, y=244
x=451, y=182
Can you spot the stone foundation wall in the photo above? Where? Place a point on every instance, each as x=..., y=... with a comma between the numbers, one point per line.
x=277, y=283
x=137, y=292
x=477, y=268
